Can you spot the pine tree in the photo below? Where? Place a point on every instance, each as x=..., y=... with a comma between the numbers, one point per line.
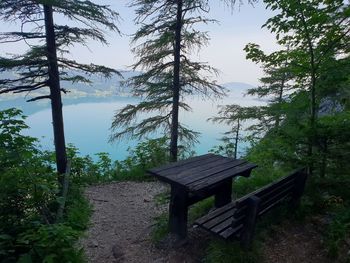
x=168, y=37
x=232, y=116
x=46, y=63
x=275, y=85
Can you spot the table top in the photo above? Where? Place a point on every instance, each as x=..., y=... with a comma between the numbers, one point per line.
x=203, y=171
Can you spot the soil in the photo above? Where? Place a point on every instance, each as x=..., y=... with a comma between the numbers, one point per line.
x=124, y=215
x=295, y=244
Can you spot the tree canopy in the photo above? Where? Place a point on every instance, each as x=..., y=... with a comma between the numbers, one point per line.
x=169, y=36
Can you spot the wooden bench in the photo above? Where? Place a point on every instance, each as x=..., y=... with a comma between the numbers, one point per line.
x=237, y=219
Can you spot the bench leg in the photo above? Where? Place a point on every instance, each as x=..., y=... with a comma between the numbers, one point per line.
x=178, y=212
x=299, y=187
x=249, y=225
x=224, y=194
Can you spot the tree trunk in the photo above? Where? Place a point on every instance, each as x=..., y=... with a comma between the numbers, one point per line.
x=236, y=139
x=176, y=84
x=55, y=94
x=280, y=99
x=324, y=148
x=313, y=131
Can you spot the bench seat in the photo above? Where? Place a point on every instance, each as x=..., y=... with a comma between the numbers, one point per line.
x=235, y=218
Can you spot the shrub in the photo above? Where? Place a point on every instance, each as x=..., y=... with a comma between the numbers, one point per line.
x=28, y=201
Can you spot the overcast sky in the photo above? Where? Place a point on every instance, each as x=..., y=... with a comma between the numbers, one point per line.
x=225, y=52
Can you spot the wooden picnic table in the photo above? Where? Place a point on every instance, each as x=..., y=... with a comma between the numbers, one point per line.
x=195, y=179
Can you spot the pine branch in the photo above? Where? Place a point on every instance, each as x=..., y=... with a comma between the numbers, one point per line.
x=39, y=98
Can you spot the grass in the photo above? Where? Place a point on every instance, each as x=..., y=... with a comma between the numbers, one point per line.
x=231, y=252
x=160, y=230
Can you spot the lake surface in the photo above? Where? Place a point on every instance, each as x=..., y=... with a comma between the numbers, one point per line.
x=87, y=124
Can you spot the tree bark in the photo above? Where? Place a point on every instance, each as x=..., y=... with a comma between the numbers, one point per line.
x=280, y=99
x=55, y=94
x=176, y=84
x=237, y=138
x=313, y=132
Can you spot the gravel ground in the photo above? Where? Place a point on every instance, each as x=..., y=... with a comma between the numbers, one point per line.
x=121, y=225
x=121, y=222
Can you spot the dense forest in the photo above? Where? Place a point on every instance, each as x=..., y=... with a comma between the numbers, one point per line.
x=305, y=122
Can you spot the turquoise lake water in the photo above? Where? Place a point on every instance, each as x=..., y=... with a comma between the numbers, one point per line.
x=87, y=124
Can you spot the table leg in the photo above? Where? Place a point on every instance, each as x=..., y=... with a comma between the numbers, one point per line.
x=178, y=211
x=224, y=193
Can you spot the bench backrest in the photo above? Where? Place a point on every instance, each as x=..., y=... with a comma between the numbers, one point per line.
x=266, y=198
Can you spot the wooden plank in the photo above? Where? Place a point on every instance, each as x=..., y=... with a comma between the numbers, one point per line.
x=275, y=190
x=214, y=213
x=275, y=199
x=180, y=163
x=203, y=168
x=261, y=191
x=269, y=207
x=230, y=232
x=238, y=220
x=174, y=172
x=222, y=226
x=206, y=182
x=219, y=219
x=212, y=171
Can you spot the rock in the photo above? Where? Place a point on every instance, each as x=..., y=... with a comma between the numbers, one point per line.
x=94, y=243
x=117, y=253
x=172, y=241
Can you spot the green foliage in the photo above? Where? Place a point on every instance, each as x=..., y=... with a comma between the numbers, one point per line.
x=148, y=154
x=226, y=148
x=162, y=198
x=78, y=209
x=231, y=252
x=338, y=231
x=306, y=84
x=28, y=201
x=50, y=243
x=160, y=229
x=328, y=198
x=145, y=155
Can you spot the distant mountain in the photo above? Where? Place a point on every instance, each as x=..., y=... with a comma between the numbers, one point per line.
x=237, y=89
x=102, y=88
x=99, y=87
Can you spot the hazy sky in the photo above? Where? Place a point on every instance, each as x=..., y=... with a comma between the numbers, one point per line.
x=225, y=52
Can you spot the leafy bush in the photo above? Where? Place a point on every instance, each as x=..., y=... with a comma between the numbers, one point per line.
x=338, y=231
x=50, y=243
x=28, y=201
x=147, y=154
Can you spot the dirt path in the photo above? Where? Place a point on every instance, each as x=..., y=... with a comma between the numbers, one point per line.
x=121, y=222
x=295, y=244
x=121, y=225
